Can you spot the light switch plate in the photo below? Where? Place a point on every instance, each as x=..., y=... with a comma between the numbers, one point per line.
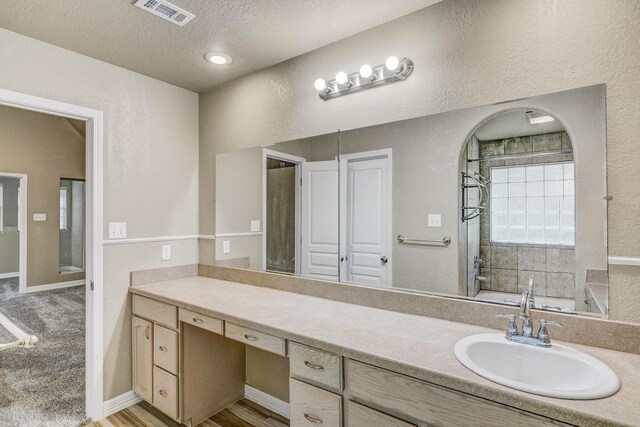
x=117, y=230
x=166, y=252
x=434, y=220
x=255, y=225
x=226, y=247
x=39, y=217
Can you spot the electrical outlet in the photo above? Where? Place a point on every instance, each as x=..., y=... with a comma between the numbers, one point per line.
x=39, y=217
x=255, y=225
x=166, y=252
x=226, y=247
x=434, y=220
x=117, y=230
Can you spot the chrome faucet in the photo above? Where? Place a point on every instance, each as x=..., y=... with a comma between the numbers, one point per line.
x=526, y=303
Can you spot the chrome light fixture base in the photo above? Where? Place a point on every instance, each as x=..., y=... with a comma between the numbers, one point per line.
x=381, y=76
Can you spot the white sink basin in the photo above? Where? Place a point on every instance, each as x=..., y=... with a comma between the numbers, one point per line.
x=558, y=371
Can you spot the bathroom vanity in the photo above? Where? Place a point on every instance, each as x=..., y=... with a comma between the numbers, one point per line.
x=350, y=365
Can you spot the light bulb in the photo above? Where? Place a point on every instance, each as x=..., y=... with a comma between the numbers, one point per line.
x=392, y=63
x=342, y=78
x=320, y=85
x=366, y=71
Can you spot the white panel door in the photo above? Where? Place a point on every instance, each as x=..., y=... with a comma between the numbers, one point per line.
x=320, y=220
x=367, y=222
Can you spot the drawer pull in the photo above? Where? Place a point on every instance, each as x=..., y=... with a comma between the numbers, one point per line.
x=163, y=348
x=163, y=393
x=313, y=419
x=313, y=366
x=251, y=337
x=198, y=320
x=146, y=332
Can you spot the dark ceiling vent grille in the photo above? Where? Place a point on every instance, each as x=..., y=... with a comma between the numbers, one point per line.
x=166, y=10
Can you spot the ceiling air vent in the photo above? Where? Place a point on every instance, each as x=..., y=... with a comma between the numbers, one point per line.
x=166, y=10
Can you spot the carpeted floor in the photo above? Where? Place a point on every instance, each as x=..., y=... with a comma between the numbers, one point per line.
x=43, y=386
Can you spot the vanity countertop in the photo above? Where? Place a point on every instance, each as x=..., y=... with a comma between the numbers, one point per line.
x=418, y=346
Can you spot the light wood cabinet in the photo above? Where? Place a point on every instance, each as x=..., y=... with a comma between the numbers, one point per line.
x=142, y=358
x=256, y=339
x=311, y=405
x=361, y=416
x=429, y=403
x=316, y=365
x=165, y=349
x=157, y=311
x=201, y=321
x=165, y=392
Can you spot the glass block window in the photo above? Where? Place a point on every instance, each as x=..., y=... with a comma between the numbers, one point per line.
x=533, y=204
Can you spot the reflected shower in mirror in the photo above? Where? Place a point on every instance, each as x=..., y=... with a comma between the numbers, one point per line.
x=277, y=208
x=518, y=196
x=72, y=230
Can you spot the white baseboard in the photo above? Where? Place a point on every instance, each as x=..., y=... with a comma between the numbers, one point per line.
x=9, y=275
x=56, y=286
x=266, y=400
x=119, y=403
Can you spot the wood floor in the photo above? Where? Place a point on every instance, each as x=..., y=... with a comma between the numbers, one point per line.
x=241, y=414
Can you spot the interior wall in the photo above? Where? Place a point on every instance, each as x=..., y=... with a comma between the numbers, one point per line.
x=466, y=53
x=46, y=148
x=150, y=169
x=10, y=237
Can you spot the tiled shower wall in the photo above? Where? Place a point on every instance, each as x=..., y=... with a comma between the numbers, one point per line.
x=508, y=266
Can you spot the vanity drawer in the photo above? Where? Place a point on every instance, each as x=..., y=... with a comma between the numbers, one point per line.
x=315, y=365
x=165, y=349
x=157, y=311
x=165, y=392
x=430, y=403
x=312, y=406
x=201, y=321
x=256, y=339
x=361, y=416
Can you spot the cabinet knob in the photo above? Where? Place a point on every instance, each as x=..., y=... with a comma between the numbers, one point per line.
x=313, y=419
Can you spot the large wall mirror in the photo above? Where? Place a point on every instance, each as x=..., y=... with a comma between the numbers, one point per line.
x=470, y=203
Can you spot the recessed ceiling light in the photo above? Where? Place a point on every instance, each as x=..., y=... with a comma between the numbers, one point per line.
x=535, y=118
x=217, y=58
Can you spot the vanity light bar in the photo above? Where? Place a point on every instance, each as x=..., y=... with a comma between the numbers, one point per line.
x=393, y=70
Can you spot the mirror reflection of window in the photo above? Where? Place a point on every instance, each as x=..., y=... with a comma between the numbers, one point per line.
x=72, y=226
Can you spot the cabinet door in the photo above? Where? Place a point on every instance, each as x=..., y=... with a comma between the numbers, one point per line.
x=142, y=358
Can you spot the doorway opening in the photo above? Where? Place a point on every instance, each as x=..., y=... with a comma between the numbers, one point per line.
x=281, y=202
x=85, y=305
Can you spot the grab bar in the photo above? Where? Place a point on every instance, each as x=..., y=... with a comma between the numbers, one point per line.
x=446, y=241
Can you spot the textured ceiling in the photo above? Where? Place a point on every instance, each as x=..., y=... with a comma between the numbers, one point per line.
x=510, y=125
x=256, y=33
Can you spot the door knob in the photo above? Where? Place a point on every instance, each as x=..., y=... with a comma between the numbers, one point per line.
x=384, y=260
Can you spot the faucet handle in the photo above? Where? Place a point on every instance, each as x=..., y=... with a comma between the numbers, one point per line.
x=512, y=328
x=543, y=335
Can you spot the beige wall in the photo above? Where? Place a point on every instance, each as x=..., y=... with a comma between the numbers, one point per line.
x=10, y=237
x=45, y=148
x=467, y=53
x=150, y=168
